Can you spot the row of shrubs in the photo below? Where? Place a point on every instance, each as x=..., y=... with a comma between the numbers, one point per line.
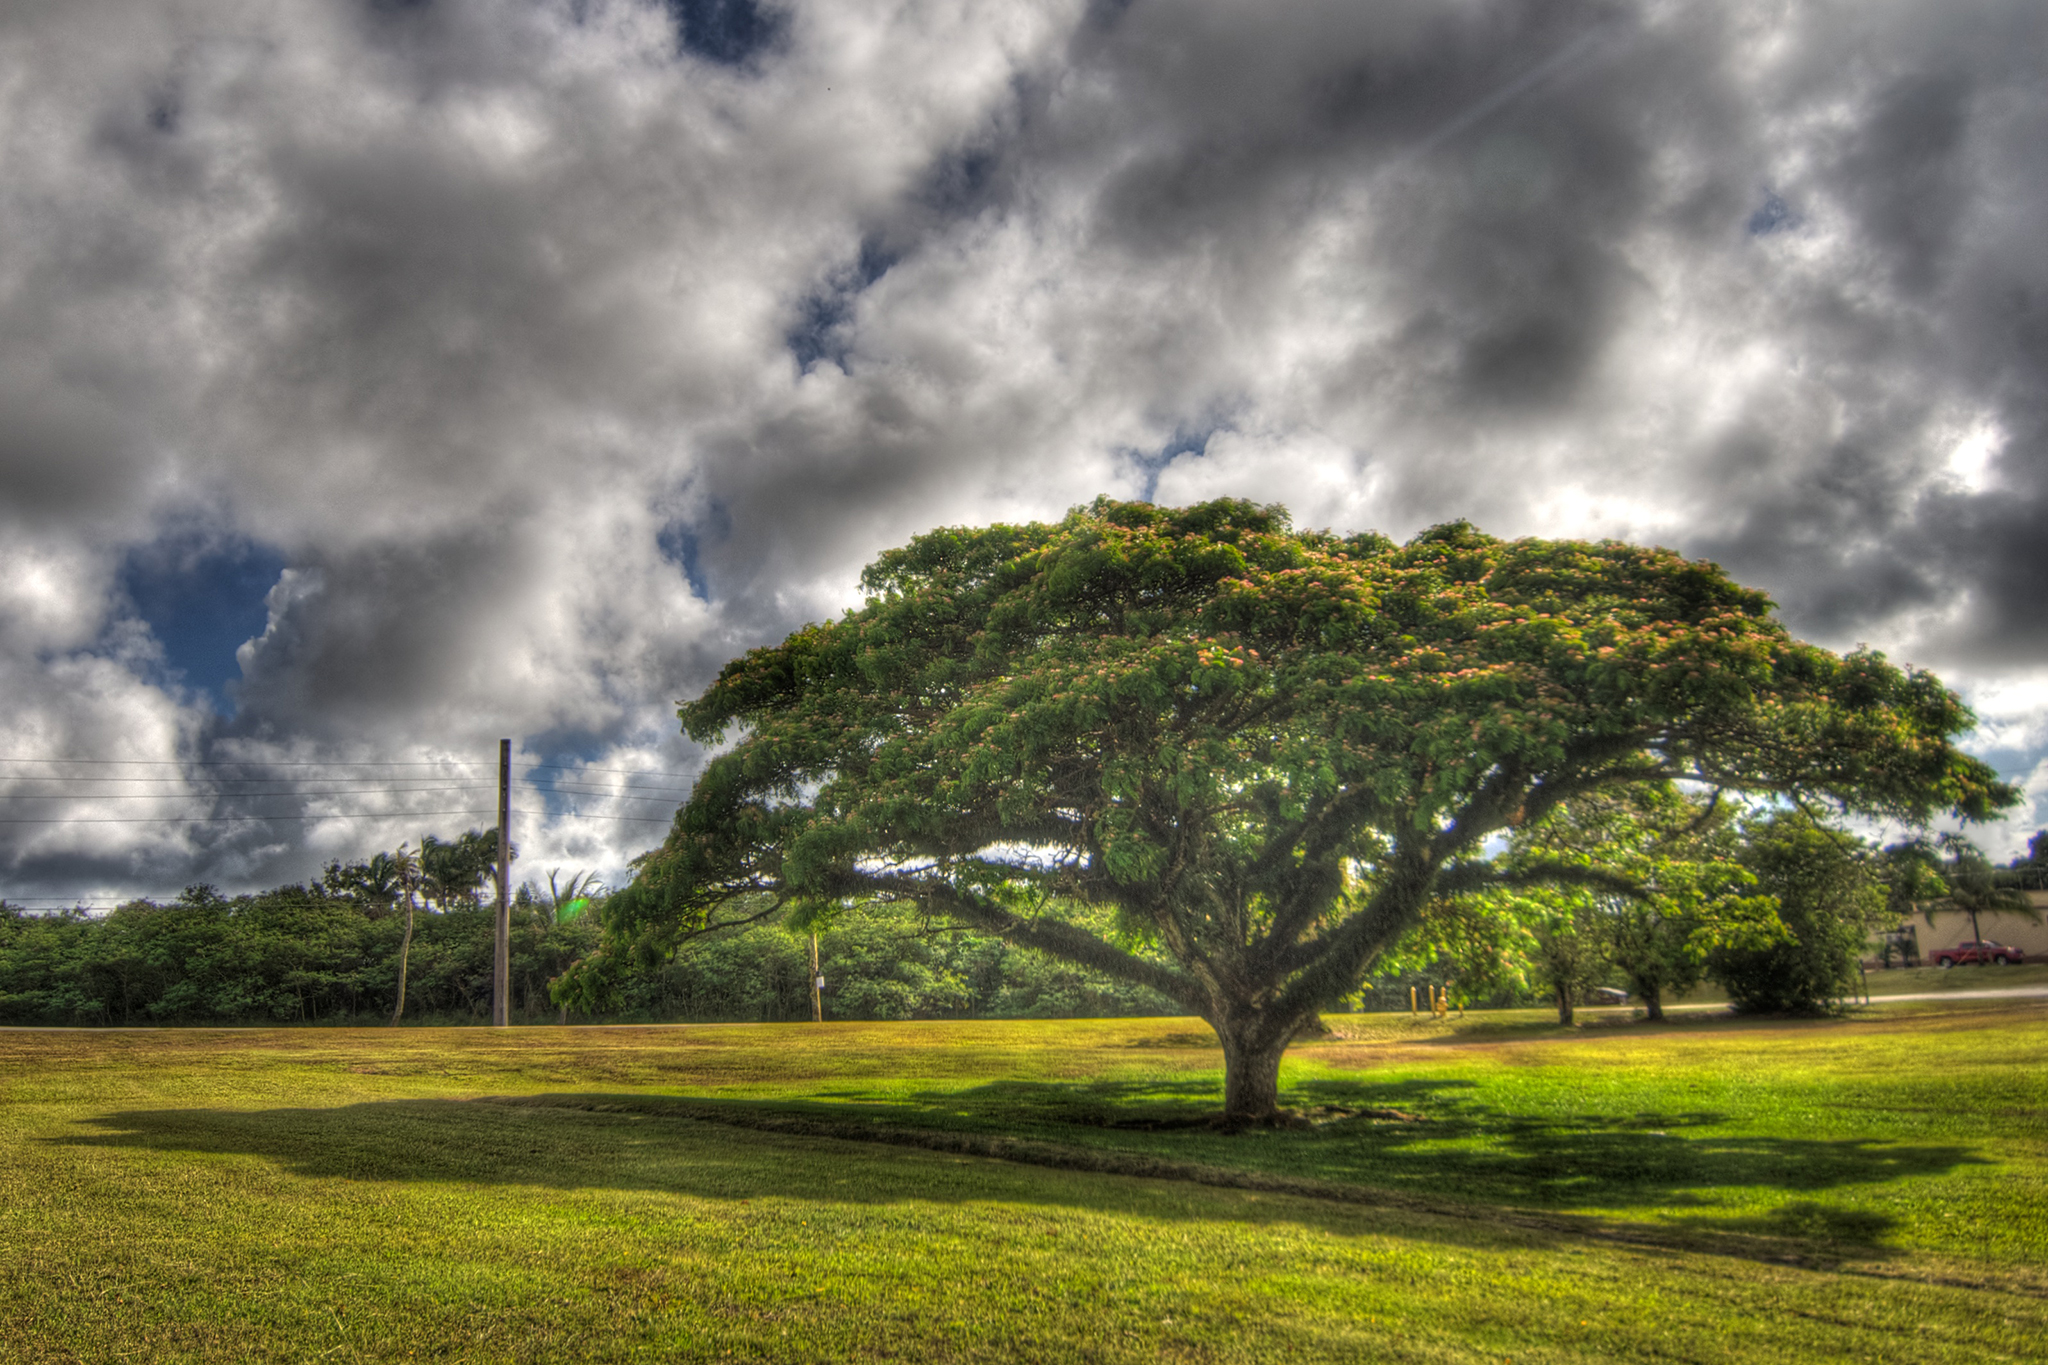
x=331, y=952
x=304, y=955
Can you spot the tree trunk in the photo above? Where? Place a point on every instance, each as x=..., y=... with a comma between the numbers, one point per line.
x=1564, y=1006
x=404, y=954
x=1653, y=1000
x=1251, y=1071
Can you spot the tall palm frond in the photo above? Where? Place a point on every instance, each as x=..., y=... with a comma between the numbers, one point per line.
x=580, y=886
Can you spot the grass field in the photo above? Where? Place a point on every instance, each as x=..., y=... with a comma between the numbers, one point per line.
x=1496, y=1189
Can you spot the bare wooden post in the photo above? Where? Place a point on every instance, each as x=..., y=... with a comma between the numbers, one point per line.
x=817, y=986
x=501, y=963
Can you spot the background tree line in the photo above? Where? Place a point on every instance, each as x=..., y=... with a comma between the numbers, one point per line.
x=1774, y=906
x=334, y=952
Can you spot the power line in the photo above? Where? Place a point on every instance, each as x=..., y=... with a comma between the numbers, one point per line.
x=592, y=815
x=433, y=783
x=322, y=792
x=326, y=815
x=624, y=772
x=260, y=762
x=58, y=900
x=223, y=795
x=225, y=789
x=340, y=763
x=229, y=819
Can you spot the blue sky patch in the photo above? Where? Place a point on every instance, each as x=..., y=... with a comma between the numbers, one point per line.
x=1774, y=215
x=728, y=32
x=1150, y=465
x=681, y=544
x=202, y=598
x=820, y=332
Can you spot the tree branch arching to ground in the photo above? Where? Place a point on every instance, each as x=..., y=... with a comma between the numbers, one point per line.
x=1264, y=748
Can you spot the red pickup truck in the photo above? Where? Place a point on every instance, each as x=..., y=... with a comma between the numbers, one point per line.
x=1979, y=953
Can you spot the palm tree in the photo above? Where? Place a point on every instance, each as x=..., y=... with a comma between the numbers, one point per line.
x=379, y=879
x=452, y=871
x=1972, y=888
x=580, y=886
x=405, y=870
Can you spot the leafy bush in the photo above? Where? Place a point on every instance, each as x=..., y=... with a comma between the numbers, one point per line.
x=1829, y=899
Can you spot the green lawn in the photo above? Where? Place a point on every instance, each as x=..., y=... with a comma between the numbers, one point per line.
x=1491, y=1190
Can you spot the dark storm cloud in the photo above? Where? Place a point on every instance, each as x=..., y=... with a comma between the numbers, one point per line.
x=1514, y=258
x=561, y=351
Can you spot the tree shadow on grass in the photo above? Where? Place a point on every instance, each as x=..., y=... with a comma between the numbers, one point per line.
x=1452, y=1146
x=1818, y=1224
x=1469, y=1170
x=651, y=1144
x=1042, y=1108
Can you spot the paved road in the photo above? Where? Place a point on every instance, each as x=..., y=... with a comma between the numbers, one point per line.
x=1993, y=993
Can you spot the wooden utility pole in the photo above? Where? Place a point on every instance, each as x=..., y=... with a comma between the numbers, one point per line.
x=501, y=959
x=817, y=986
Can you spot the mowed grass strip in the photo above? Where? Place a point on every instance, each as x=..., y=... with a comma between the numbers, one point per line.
x=299, y=1194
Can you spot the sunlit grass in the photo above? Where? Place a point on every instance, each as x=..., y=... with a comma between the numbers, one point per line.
x=1870, y=1189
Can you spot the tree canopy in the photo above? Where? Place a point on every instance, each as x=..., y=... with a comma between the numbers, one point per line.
x=1264, y=749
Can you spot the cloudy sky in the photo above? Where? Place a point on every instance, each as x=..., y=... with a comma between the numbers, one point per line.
x=382, y=377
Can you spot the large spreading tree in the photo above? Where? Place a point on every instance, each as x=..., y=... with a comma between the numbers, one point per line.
x=1266, y=749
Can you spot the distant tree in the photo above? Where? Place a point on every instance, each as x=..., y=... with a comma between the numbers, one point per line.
x=1266, y=751
x=1968, y=885
x=374, y=883
x=2037, y=849
x=453, y=872
x=1829, y=897
x=2029, y=871
x=1572, y=953
x=1662, y=886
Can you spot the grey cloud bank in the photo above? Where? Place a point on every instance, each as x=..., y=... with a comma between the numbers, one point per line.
x=558, y=354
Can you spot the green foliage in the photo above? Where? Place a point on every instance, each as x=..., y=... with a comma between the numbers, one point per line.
x=1264, y=751
x=309, y=955
x=378, y=881
x=1829, y=897
x=570, y=898
x=1644, y=883
x=452, y=873
x=877, y=965
x=291, y=955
